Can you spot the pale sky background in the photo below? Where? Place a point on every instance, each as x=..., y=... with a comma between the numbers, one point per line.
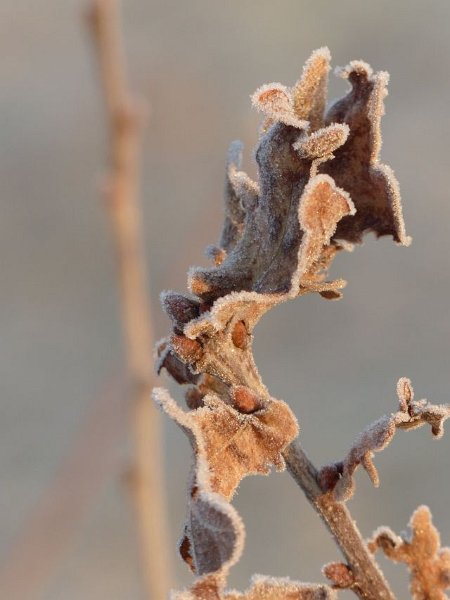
x=335, y=363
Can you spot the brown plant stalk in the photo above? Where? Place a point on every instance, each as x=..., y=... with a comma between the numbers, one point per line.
x=368, y=580
x=321, y=187
x=125, y=115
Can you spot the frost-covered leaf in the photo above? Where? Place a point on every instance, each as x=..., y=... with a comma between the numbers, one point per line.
x=214, y=534
x=322, y=206
x=356, y=167
x=271, y=588
x=262, y=588
x=275, y=101
x=428, y=563
x=228, y=445
x=262, y=233
x=322, y=143
x=235, y=190
x=411, y=414
x=231, y=445
x=310, y=92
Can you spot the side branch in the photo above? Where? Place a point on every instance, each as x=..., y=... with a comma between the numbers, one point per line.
x=122, y=191
x=369, y=582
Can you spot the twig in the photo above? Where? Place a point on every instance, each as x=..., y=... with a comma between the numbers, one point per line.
x=370, y=583
x=42, y=543
x=125, y=121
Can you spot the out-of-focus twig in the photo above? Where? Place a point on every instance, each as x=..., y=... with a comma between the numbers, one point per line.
x=42, y=543
x=124, y=113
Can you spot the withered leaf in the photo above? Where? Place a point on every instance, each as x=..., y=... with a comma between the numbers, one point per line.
x=235, y=199
x=356, y=167
x=228, y=445
x=262, y=588
x=271, y=588
x=276, y=102
x=214, y=534
x=319, y=209
x=322, y=206
x=323, y=142
x=262, y=234
x=310, y=92
x=411, y=414
x=429, y=564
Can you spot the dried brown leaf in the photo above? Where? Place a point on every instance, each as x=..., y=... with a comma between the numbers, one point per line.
x=429, y=564
x=271, y=588
x=323, y=142
x=356, y=167
x=310, y=92
x=275, y=101
x=322, y=206
x=234, y=213
x=411, y=414
x=262, y=233
x=214, y=534
x=228, y=445
x=262, y=588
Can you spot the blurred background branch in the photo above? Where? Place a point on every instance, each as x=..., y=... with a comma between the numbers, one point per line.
x=125, y=115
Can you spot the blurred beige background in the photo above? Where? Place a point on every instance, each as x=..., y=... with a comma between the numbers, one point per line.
x=335, y=363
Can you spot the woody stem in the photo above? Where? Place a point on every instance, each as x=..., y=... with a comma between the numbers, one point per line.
x=370, y=583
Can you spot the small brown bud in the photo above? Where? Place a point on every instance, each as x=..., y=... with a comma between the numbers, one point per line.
x=179, y=308
x=198, y=285
x=340, y=574
x=329, y=476
x=190, y=351
x=240, y=335
x=244, y=399
x=331, y=295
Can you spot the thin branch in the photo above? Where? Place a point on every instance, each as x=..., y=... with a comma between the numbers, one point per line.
x=370, y=583
x=125, y=121
x=41, y=545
